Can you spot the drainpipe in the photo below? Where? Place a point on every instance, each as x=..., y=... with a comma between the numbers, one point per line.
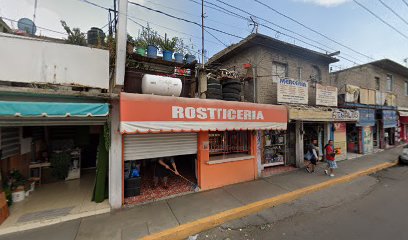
x=254, y=74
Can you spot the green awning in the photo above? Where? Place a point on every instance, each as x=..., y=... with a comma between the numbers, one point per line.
x=52, y=109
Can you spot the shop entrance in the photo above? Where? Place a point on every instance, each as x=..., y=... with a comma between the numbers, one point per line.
x=352, y=138
x=146, y=177
x=49, y=172
x=313, y=131
x=389, y=136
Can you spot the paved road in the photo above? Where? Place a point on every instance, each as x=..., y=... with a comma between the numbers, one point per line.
x=373, y=207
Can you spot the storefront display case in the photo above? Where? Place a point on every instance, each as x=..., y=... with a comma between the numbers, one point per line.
x=274, y=148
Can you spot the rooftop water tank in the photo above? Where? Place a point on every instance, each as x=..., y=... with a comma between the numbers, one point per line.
x=161, y=85
x=95, y=36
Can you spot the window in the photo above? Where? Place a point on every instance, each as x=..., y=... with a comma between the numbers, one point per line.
x=229, y=142
x=10, y=141
x=279, y=71
x=377, y=83
x=406, y=88
x=316, y=75
x=390, y=83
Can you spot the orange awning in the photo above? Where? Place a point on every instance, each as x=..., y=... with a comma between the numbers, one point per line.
x=141, y=113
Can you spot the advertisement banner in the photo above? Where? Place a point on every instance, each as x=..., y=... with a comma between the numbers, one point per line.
x=389, y=118
x=340, y=140
x=367, y=117
x=345, y=115
x=326, y=95
x=367, y=140
x=293, y=91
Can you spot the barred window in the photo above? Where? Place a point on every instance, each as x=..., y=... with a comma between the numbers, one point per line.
x=229, y=142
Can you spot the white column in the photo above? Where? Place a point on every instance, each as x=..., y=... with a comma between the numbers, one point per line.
x=121, y=39
x=115, y=159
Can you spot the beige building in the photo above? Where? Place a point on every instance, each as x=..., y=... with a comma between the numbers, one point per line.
x=383, y=76
x=271, y=60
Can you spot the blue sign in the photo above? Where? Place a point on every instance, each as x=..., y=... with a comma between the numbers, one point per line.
x=367, y=117
x=389, y=118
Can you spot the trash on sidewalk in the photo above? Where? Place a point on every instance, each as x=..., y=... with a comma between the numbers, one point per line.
x=193, y=237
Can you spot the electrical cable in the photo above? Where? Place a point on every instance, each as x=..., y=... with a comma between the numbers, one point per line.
x=311, y=29
x=293, y=32
x=392, y=10
x=43, y=28
x=379, y=18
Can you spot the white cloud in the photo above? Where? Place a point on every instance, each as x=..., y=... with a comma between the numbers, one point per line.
x=327, y=3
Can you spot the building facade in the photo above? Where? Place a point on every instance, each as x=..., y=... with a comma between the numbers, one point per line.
x=378, y=90
x=277, y=72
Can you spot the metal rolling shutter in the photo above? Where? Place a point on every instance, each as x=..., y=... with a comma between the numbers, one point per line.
x=143, y=146
x=10, y=141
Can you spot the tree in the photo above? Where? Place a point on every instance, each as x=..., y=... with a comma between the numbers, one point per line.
x=75, y=36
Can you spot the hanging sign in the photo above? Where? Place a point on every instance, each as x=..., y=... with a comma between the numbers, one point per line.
x=389, y=118
x=367, y=117
x=326, y=95
x=293, y=91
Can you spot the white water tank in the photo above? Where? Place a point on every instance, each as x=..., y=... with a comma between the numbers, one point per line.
x=161, y=85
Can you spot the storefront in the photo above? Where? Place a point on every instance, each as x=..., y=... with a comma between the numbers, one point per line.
x=360, y=135
x=214, y=143
x=322, y=124
x=51, y=146
x=389, y=134
x=403, y=120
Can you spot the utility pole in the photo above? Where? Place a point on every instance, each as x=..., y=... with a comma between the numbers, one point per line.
x=35, y=13
x=202, y=33
x=121, y=38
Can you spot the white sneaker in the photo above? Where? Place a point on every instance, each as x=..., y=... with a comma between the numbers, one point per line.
x=326, y=172
x=332, y=175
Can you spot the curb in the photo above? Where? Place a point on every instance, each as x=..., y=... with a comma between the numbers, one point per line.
x=185, y=230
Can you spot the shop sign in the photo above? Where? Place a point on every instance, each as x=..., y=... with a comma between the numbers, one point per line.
x=389, y=118
x=345, y=115
x=367, y=117
x=309, y=114
x=326, y=95
x=151, y=113
x=293, y=91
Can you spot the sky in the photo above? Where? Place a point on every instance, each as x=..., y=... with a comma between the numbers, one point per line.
x=356, y=31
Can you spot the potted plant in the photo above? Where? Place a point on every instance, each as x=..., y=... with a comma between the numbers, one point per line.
x=141, y=46
x=151, y=39
x=168, y=46
x=60, y=163
x=179, y=51
x=130, y=45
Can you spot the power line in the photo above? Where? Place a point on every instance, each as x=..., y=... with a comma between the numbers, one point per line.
x=293, y=32
x=185, y=20
x=406, y=3
x=223, y=10
x=43, y=28
x=379, y=18
x=279, y=32
x=191, y=14
x=215, y=37
x=313, y=30
x=392, y=10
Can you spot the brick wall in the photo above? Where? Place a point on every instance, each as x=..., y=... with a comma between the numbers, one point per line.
x=263, y=58
x=364, y=76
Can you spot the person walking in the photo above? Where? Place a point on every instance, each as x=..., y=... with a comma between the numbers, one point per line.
x=312, y=152
x=330, y=159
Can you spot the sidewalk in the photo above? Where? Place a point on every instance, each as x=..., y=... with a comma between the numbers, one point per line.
x=142, y=220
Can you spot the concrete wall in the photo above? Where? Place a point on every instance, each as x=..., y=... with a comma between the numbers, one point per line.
x=30, y=60
x=364, y=77
x=263, y=58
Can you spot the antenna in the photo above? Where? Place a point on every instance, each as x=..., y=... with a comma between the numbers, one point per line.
x=35, y=11
x=253, y=23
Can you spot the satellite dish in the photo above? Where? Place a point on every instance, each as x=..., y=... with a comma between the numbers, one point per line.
x=26, y=25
